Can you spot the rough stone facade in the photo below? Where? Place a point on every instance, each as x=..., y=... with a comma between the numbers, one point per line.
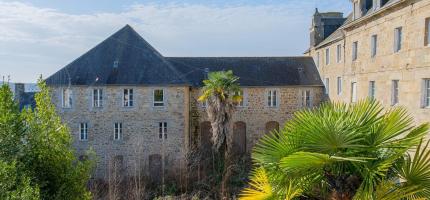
x=410, y=65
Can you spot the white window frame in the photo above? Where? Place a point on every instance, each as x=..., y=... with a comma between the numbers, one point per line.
x=395, y=92
x=339, y=85
x=117, y=131
x=373, y=45
x=327, y=56
x=426, y=93
x=372, y=89
x=83, y=131
x=129, y=102
x=306, y=98
x=398, y=34
x=355, y=51
x=97, y=98
x=339, y=53
x=66, y=98
x=158, y=103
x=327, y=86
x=272, y=98
x=162, y=130
x=242, y=103
x=354, y=91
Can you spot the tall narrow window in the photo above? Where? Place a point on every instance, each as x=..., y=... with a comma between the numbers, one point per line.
x=117, y=134
x=339, y=85
x=427, y=32
x=83, y=131
x=306, y=98
x=427, y=93
x=159, y=98
x=241, y=102
x=374, y=45
x=394, y=92
x=338, y=53
x=97, y=98
x=353, y=92
x=372, y=89
x=354, y=50
x=67, y=98
x=327, y=86
x=162, y=130
x=327, y=56
x=397, y=39
x=317, y=59
x=272, y=96
x=128, y=98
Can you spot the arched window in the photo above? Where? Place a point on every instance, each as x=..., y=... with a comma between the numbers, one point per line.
x=239, y=138
x=272, y=126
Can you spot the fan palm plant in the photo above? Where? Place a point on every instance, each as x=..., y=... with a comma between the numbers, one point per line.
x=342, y=152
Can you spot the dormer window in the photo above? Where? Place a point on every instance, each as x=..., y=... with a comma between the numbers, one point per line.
x=115, y=64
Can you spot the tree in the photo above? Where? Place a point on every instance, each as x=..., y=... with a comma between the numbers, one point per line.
x=221, y=92
x=14, y=186
x=343, y=152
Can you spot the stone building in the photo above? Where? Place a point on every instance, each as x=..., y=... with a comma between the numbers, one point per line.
x=381, y=51
x=135, y=107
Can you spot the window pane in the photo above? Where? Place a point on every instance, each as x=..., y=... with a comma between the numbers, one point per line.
x=339, y=85
x=395, y=92
x=353, y=92
x=274, y=98
x=327, y=56
x=397, y=39
x=158, y=98
x=374, y=44
x=427, y=93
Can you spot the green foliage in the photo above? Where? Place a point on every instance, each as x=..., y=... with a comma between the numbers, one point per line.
x=14, y=186
x=221, y=84
x=347, y=152
x=42, y=147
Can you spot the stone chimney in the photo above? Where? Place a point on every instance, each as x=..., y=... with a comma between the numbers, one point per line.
x=324, y=24
x=19, y=91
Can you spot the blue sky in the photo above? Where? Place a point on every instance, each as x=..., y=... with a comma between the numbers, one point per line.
x=42, y=36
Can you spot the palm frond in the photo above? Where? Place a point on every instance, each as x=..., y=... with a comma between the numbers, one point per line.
x=259, y=187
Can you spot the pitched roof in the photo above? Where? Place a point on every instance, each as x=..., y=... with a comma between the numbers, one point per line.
x=137, y=63
x=252, y=71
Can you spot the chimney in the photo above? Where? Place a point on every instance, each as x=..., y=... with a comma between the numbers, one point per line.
x=323, y=25
x=19, y=91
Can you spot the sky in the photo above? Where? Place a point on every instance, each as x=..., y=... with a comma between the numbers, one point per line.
x=39, y=37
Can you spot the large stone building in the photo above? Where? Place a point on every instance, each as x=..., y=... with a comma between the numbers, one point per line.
x=132, y=105
x=381, y=50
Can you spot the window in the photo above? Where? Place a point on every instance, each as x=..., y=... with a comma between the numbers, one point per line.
x=353, y=92
x=427, y=32
x=241, y=102
x=339, y=53
x=327, y=56
x=117, y=134
x=394, y=92
x=97, y=98
x=158, y=98
x=272, y=96
x=354, y=50
x=427, y=93
x=128, y=98
x=306, y=98
x=67, y=98
x=397, y=39
x=162, y=130
x=83, y=131
x=372, y=88
x=327, y=86
x=339, y=85
x=317, y=59
x=374, y=44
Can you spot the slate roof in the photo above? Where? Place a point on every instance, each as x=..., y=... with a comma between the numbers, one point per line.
x=140, y=64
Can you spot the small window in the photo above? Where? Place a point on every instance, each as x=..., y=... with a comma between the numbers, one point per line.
x=317, y=59
x=272, y=97
x=397, y=39
x=374, y=45
x=162, y=130
x=128, y=98
x=115, y=64
x=83, y=131
x=395, y=92
x=306, y=98
x=339, y=85
x=67, y=98
x=353, y=92
x=97, y=98
x=158, y=98
x=354, y=50
x=241, y=102
x=327, y=56
x=117, y=134
x=327, y=86
x=339, y=53
x=372, y=89
x=427, y=32
x=427, y=93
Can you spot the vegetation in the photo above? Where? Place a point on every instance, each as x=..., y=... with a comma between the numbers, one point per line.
x=341, y=152
x=36, y=153
x=221, y=92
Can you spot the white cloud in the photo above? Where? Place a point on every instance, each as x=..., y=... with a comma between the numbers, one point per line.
x=36, y=40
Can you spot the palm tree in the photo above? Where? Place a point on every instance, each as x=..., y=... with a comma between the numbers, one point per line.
x=343, y=152
x=220, y=91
